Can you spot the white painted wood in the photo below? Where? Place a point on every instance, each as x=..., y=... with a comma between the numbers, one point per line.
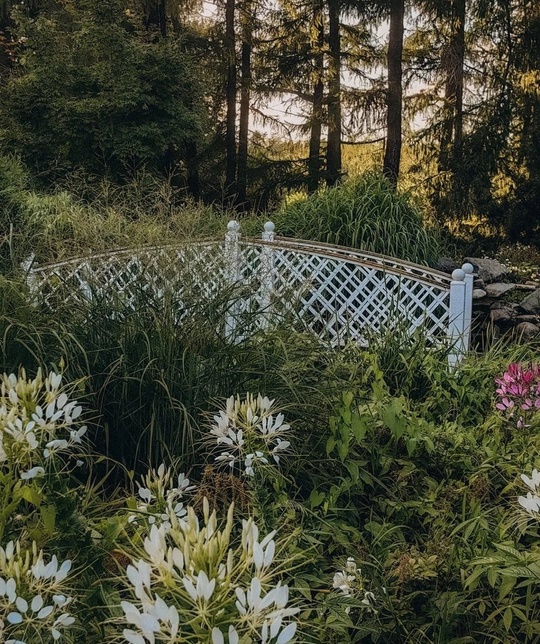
x=456, y=325
x=468, y=269
x=233, y=267
x=267, y=275
x=338, y=294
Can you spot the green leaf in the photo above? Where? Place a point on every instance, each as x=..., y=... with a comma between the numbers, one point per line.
x=330, y=444
x=359, y=428
x=412, y=444
x=472, y=580
x=507, y=618
x=506, y=587
x=346, y=415
x=48, y=515
x=31, y=494
x=353, y=471
x=492, y=574
x=345, y=431
x=348, y=397
x=316, y=498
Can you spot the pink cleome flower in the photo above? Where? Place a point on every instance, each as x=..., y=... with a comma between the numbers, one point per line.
x=519, y=389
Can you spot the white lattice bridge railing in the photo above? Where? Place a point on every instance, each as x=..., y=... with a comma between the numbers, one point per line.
x=339, y=294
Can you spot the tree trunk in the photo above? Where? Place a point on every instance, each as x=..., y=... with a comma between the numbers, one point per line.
x=157, y=17
x=333, y=145
x=452, y=127
x=245, y=89
x=314, y=159
x=394, y=100
x=230, y=134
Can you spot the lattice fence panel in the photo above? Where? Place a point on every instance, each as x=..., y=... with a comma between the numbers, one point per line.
x=337, y=295
x=338, y=299
x=188, y=274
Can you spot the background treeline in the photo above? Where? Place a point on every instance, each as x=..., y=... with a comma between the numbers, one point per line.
x=440, y=95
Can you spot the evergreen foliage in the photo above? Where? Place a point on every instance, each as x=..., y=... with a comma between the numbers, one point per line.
x=94, y=90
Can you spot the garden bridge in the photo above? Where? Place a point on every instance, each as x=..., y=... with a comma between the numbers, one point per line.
x=339, y=294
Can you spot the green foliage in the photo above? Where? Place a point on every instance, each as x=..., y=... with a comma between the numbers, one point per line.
x=95, y=91
x=364, y=213
x=399, y=464
x=88, y=214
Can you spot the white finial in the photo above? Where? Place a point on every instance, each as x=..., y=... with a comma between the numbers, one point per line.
x=269, y=226
x=458, y=275
x=233, y=226
x=468, y=268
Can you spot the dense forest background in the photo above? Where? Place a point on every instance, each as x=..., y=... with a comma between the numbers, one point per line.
x=440, y=96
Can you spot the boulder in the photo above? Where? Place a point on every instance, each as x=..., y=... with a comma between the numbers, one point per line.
x=526, y=330
x=447, y=265
x=531, y=304
x=498, y=289
x=489, y=270
x=535, y=319
x=478, y=293
x=501, y=315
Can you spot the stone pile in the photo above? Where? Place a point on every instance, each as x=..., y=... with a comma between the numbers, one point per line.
x=500, y=301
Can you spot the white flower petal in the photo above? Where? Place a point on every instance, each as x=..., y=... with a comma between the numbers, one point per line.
x=287, y=634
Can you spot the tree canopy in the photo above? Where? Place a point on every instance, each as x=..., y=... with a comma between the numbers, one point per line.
x=111, y=87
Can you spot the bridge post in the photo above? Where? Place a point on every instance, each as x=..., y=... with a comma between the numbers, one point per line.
x=457, y=321
x=267, y=274
x=232, y=272
x=468, y=269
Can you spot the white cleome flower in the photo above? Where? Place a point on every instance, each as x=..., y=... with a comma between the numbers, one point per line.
x=533, y=482
x=531, y=502
x=343, y=581
x=32, y=473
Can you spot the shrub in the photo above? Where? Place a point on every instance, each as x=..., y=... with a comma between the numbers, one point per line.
x=365, y=213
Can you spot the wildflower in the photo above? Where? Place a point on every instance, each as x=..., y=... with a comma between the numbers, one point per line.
x=194, y=575
x=32, y=473
x=343, y=581
x=29, y=597
x=251, y=433
x=519, y=391
x=160, y=495
x=532, y=482
x=531, y=502
x=350, y=584
x=36, y=423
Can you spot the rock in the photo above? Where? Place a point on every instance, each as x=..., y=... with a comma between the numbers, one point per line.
x=447, y=265
x=479, y=283
x=535, y=319
x=531, y=284
x=478, y=293
x=501, y=315
x=526, y=330
x=531, y=304
x=498, y=289
x=489, y=270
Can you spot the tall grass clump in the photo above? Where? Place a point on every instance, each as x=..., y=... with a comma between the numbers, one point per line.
x=86, y=214
x=365, y=213
x=148, y=374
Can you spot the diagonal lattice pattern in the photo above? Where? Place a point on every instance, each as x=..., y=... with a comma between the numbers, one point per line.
x=335, y=293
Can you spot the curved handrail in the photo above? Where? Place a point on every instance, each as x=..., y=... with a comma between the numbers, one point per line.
x=127, y=251
x=356, y=256
x=378, y=261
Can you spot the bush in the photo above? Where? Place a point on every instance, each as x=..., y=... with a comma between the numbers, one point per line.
x=87, y=96
x=365, y=213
